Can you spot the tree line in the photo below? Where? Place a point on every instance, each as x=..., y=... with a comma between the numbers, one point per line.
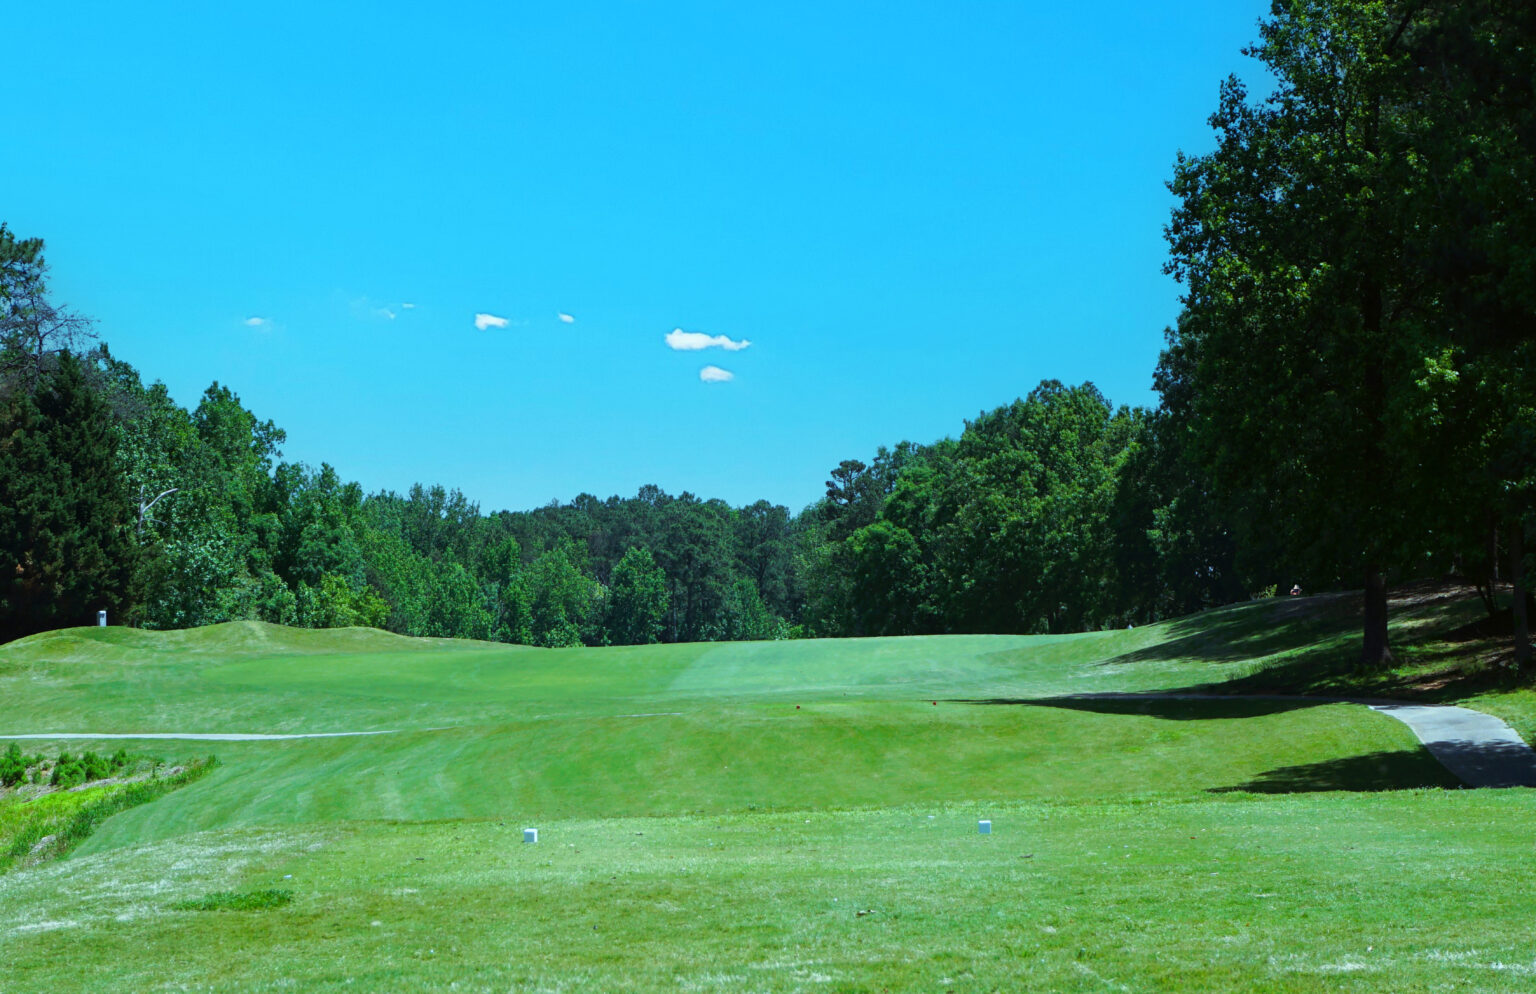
x=114, y=497
x=1345, y=402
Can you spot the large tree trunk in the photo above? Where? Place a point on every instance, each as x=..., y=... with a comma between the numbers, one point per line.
x=1493, y=551
x=1492, y=600
x=1517, y=615
x=1375, y=653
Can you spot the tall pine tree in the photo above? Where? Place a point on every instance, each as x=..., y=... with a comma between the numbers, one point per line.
x=66, y=537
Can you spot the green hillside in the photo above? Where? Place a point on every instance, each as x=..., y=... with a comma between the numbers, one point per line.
x=715, y=817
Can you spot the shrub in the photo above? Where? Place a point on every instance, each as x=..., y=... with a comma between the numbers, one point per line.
x=68, y=771
x=13, y=766
x=95, y=767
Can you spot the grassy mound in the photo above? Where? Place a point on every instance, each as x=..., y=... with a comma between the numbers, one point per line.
x=233, y=638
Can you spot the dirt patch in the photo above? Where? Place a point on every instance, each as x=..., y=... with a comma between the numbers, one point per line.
x=1427, y=593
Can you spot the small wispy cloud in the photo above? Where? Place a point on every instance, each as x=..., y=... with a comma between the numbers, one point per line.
x=257, y=322
x=566, y=318
x=408, y=307
x=366, y=308
x=693, y=341
x=484, y=321
x=714, y=374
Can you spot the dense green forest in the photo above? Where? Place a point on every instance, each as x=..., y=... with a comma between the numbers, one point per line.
x=1346, y=401
x=1034, y=519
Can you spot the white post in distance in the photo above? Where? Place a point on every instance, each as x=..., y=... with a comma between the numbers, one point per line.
x=101, y=619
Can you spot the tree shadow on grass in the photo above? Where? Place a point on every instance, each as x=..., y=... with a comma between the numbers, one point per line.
x=1310, y=645
x=1376, y=771
x=1168, y=709
x=1441, y=672
x=1488, y=764
x=1249, y=631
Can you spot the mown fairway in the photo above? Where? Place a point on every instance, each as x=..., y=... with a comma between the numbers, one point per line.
x=762, y=816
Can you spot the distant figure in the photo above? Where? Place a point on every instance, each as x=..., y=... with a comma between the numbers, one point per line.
x=1296, y=590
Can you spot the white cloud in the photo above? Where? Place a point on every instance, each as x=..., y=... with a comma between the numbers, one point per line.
x=257, y=322
x=408, y=307
x=484, y=321
x=566, y=318
x=693, y=341
x=714, y=374
x=385, y=313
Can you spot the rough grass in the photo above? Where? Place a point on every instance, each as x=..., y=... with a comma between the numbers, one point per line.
x=23, y=823
x=1401, y=891
x=235, y=900
x=53, y=825
x=774, y=817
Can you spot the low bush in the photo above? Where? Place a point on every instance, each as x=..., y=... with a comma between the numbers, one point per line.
x=13, y=766
x=72, y=771
x=68, y=771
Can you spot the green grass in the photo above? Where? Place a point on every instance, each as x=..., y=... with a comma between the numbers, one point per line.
x=1442, y=652
x=1404, y=891
x=715, y=817
x=53, y=825
x=24, y=823
x=231, y=900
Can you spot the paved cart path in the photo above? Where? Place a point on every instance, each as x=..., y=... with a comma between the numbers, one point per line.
x=1481, y=750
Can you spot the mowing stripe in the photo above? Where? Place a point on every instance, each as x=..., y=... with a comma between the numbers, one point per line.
x=271, y=737
x=197, y=736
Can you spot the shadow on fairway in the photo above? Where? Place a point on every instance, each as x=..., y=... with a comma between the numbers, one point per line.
x=1489, y=764
x=1377, y=771
x=1442, y=673
x=1169, y=709
x=1311, y=645
x=1252, y=631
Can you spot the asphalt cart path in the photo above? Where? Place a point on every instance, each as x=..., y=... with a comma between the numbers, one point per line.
x=1481, y=750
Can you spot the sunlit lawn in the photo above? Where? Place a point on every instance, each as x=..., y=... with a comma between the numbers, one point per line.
x=771, y=816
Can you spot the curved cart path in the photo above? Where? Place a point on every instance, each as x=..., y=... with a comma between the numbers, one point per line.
x=1478, y=748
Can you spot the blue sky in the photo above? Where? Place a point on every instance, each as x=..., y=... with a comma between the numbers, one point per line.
x=913, y=212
